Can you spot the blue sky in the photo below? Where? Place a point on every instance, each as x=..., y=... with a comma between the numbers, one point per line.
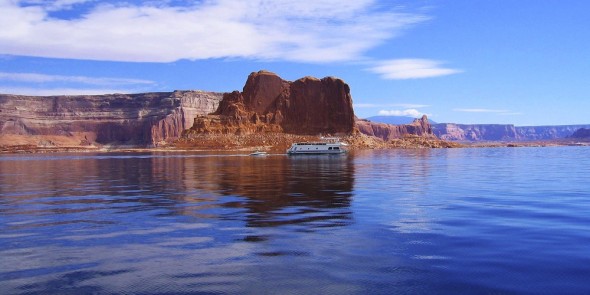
x=522, y=62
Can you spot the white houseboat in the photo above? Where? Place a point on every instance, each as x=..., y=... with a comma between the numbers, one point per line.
x=329, y=146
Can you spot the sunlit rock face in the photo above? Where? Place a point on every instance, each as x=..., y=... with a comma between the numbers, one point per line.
x=135, y=119
x=271, y=104
x=420, y=127
x=475, y=132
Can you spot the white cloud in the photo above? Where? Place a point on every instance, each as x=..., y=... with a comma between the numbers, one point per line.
x=307, y=31
x=404, y=113
x=400, y=69
x=43, y=78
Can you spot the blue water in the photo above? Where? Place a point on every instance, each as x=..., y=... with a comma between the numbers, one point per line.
x=434, y=221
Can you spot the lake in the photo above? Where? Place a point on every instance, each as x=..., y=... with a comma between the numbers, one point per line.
x=425, y=221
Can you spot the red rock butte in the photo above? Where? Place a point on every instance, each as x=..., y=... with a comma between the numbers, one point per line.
x=307, y=106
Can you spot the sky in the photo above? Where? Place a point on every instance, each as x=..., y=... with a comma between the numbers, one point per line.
x=524, y=62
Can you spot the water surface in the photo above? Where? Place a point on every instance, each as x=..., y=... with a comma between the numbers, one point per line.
x=489, y=220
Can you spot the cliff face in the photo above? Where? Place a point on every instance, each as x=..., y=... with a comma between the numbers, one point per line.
x=420, y=127
x=547, y=132
x=267, y=104
x=582, y=133
x=138, y=119
x=477, y=132
x=497, y=132
x=271, y=104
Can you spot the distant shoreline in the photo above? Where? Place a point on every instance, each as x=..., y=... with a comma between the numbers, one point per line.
x=32, y=149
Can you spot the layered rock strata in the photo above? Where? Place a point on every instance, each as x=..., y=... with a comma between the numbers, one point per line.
x=419, y=127
x=134, y=119
x=270, y=104
x=502, y=132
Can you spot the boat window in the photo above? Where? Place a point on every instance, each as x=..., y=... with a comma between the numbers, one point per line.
x=336, y=148
x=329, y=148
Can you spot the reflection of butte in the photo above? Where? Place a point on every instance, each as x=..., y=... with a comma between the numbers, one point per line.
x=268, y=185
x=272, y=184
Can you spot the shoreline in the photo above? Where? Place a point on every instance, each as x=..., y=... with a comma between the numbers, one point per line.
x=407, y=143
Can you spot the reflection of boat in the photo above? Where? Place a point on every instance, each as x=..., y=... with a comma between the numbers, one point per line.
x=328, y=146
x=258, y=153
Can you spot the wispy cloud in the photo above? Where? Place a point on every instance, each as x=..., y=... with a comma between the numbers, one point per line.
x=43, y=78
x=404, y=113
x=400, y=69
x=306, y=31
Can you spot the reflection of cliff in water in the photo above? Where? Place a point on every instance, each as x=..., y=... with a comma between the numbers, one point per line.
x=262, y=191
x=279, y=190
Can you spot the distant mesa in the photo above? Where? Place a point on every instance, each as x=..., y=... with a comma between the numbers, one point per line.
x=395, y=120
x=502, y=132
x=418, y=127
x=582, y=133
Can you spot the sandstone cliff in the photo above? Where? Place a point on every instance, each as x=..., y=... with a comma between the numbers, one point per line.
x=136, y=119
x=270, y=104
x=475, y=132
x=499, y=132
x=582, y=133
x=547, y=132
x=267, y=106
x=419, y=127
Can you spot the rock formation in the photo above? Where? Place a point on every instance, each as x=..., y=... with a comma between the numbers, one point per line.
x=420, y=127
x=475, y=132
x=270, y=104
x=546, y=132
x=582, y=133
x=267, y=105
x=502, y=132
x=135, y=119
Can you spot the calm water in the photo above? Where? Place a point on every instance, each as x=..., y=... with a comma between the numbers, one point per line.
x=499, y=221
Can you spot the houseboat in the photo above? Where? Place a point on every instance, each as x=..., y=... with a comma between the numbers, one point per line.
x=328, y=146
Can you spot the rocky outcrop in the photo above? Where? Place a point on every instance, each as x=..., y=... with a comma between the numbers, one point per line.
x=270, y=104
x=135, y=119
x=419, y=127
x=499, y=132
